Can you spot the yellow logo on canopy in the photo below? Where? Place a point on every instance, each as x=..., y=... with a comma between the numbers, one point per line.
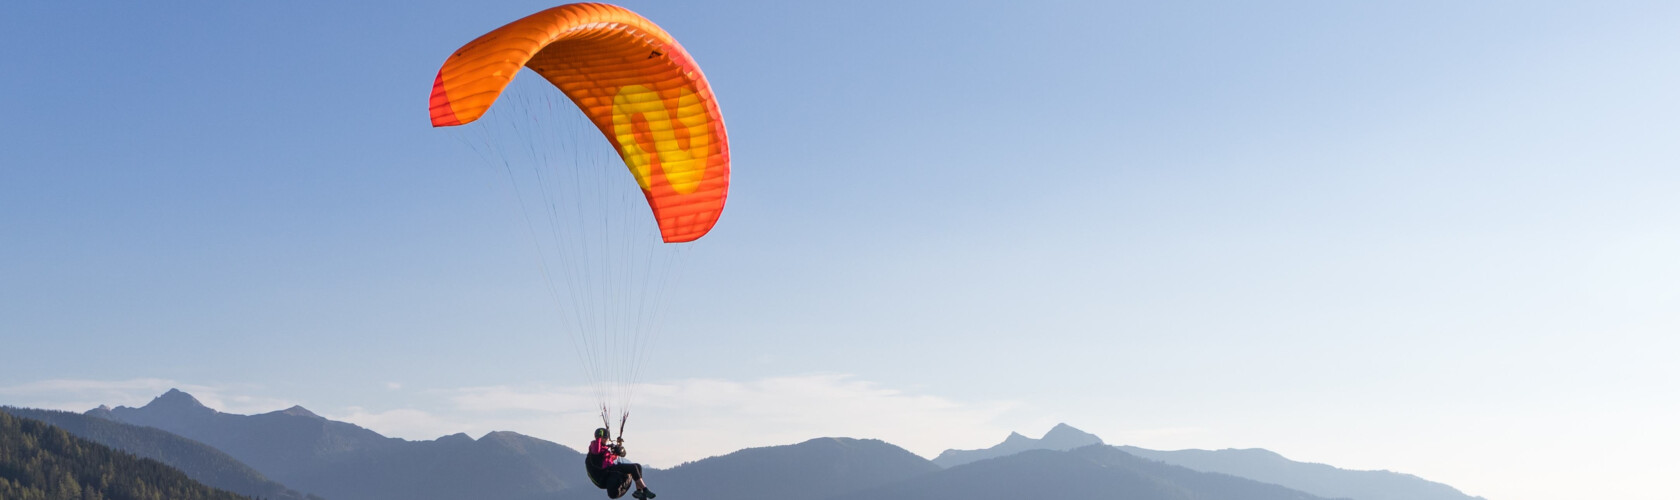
x=661, y=140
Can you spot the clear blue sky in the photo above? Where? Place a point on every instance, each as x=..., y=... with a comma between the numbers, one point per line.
x=1434, y=237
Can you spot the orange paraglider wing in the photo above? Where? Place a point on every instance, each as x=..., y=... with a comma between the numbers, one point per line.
x=633, y=81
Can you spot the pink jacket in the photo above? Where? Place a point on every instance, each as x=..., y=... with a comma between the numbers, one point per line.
x=604, y=449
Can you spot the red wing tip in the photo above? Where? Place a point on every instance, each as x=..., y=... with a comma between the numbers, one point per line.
x=443, y=115
x=447, y=120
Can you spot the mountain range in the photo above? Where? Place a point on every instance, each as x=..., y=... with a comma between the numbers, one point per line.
x=341, y=461
x=1256, y=464
x=338, y=460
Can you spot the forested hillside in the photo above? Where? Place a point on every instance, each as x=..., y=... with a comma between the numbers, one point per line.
x=42, y=462
x=197, y=460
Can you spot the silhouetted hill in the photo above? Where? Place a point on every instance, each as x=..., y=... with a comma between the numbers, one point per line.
x=812, y=470
x=1060, y=437
x=199, y=461
x=1259, y=465
x=1094, y=471
x=1318, y=479
x=40, y=461
x=342, y=461
x=273, y=443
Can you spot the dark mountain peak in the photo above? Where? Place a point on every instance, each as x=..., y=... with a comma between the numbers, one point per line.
x=839, y=449
x=456, y=438
x=831, y=442
x=812, y=469
x=102, y=411
x=176, y=402
x=300, y=411
x=811, y=443
x=175, y=398
x=510, y=439
x=1254, y=453
x=505, y=436
x=1065, y=437
x=1015, y=442
x=1062, y=428
x=845, y=446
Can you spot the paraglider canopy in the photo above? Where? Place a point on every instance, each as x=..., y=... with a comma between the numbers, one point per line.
x=634, y=82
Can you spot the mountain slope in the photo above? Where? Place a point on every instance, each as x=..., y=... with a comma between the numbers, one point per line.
x=38, y=460
x=274, y=442
x=1318, y=479
x=1061, y=437
x=812, y=470
x=1256, y=464
x=200, y=462
x=343, y=461
x=1095, y=471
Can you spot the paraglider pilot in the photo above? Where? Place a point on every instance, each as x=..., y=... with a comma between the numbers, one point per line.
x=608, y=473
